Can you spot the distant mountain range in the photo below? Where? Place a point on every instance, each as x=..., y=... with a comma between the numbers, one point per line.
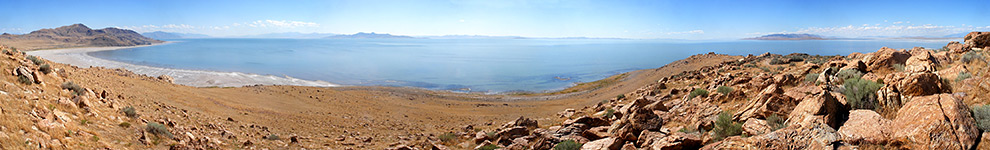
x=372, y=35
x=172, y=35
x=788, y=37
x=76, y=35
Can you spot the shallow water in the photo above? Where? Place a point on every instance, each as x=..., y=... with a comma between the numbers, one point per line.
x=476, y=65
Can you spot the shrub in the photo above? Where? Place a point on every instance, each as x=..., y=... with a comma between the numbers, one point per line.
x=811, y=77
x=24, y=79
x=271, y=137
x=35, y=60
x=488, y=147
x=860, y=93
x=776, y=122
x=447, y=137
x=698, y=92
x=899, y=67
x=158, y=129
x=777, y=61
x=620, y=96
x=725, y=127
x=45, y=69
x=568, y=145
x=492, y=134
x=76, y=89
x=749, y=66
x=982, y=115
x=124, y=124
x=971, y=56
x=609, y=113
x=724, y=90
x=848, y=73
x=963, y=76
x=129, y=111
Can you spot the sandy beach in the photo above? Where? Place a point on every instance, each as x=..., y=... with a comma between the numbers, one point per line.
x=199, y=78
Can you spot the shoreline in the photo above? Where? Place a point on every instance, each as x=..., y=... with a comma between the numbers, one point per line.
x=80, y=57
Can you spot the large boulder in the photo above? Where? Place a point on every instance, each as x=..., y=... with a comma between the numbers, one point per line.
x=889, y=98
x=920, y=84
x=921, y=60
x=677, y=141
x=603, y=144
x=865, y=126
x=953, y=72
x=885, y=58
x=977, y=39
x=770, y=101
x=935, y=122
x=956, y=47
x=629, y=126
x=824, y=108
x=756, y=127
x=811, y=136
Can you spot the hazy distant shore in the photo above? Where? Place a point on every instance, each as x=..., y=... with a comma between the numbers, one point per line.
x=79, y=57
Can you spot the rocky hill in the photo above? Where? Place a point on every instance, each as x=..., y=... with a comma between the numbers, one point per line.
x=76, y=35
x=788, y=37
x=889, y=99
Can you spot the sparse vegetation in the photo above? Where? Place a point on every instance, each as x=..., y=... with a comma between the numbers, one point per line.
x=982, y=115
x=620, y=96
x=609, y=113
x=24, y=79
x=971, y=56
x=725, y=90
x=447, y=137
x=35, y=60
x=777, y=61
x=158, y=129
x=776, y=122
x=963, y=76
x=76, y=89
x=811, y=77
x=488, y=147
x=698, y=92
x=129, y=111
x=898, y=67
x=725, y=126
x=45, y=69
x=491, y=134
x=124, y=124
x=848, y=73
x=860, y=93
x=749, y=66
x=568, y=145
x=271, y=137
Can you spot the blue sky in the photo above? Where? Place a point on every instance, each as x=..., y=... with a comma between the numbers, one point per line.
x=675, y=19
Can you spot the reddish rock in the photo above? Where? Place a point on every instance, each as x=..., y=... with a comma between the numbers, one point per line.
x=823, y=108
x=953, y=72
x=921, y=60
x=865, y=126
x=677, y=141
x=956, y=47
x=935, y=122
x=603, y=144
x=920, y=84
x=885, y=58
x=755, y=127
x=770, y=101
x=977, y=39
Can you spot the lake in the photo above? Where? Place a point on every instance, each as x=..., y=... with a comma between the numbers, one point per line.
x=471, y=65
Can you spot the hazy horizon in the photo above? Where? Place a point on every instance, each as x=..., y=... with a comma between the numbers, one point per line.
x=542, y=18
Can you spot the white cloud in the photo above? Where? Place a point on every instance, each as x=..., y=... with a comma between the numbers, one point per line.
x=687, y=32
x=896, y=29
x=167, y=28
x=280, y=24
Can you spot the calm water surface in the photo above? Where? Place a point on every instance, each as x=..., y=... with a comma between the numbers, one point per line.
x=480, y=65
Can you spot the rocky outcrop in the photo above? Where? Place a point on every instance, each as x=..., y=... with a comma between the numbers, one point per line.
x=935, y=122
x=953, y=72
x=770, y=101
x=921, y=60
x=603, y=144
x=956, y=47
x=822, y=108
x=755, y=127
x=865, y=126
x=977, y=39
x=885, y=58
x=920, y=84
